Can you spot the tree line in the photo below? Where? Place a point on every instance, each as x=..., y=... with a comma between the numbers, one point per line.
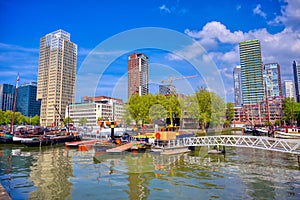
x=204, y=106
x=6, y=118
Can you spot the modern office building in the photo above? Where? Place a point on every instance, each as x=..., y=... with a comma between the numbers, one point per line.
x=251, y=72
x=296, y=69
x=237, y=86
x=26, y=100
x=272, y=80
x=56, y=76
x=107, y=108
x=7, y=95
x=289, y=89
x=138, y=74
x=167, y=89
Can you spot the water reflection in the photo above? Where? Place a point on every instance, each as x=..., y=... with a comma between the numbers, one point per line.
x=58, y=173
x=50, y=175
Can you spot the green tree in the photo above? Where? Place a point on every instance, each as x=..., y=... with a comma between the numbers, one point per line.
x=2, y=118
x=67, y=120
x=217, y=110
x=277, y=122
x=139, y=107
x=82, y=121
x=35, y=120
x=135, y=104
x=291, y=111
x=157, y=112
x=7, y=117
x=191, y=107
x=204, y=103
x=229, y=115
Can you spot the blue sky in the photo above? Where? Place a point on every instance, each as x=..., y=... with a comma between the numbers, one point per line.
x=218, y=26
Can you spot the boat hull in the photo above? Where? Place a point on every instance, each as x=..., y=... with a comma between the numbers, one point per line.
x=50, y=141
x=281, y=134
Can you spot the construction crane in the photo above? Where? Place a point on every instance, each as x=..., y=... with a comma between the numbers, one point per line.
x=173, y=122
x=170, y=81
x=177, y=78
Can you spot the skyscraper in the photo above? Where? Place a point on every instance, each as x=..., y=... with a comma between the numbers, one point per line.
x=237, y=86
x=272, y=80
x=138, y=74
x=288, y=88
x=56, y=76
x=296, y=69
x=26, y=100
x=251, y=72
x=7, y=95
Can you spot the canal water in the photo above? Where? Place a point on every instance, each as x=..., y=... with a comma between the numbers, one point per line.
x=61, y=173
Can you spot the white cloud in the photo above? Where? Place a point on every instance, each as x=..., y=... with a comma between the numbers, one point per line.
x=214, y=32
x=290, y=15
x=12, y=47
x=281, y=47
x=238, y=7
x=257, y=10
x=222, y=44
x=164, y=8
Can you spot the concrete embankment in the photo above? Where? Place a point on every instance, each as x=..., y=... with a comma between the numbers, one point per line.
x=3, y=194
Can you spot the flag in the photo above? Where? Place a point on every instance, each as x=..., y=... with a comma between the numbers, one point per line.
x=18, y=79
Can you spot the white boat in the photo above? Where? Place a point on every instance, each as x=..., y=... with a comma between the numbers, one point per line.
x=20, y=139
x=262, y=131
x=288, y=132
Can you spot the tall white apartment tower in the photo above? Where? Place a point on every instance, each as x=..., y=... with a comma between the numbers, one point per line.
x=289, y=89
x=56, y=76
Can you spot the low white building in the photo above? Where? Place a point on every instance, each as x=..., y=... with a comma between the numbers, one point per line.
x=108, y=109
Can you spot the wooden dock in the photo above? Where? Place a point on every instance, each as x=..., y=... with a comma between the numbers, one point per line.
x=78, y=143
x=121, y=148
x=3, y=194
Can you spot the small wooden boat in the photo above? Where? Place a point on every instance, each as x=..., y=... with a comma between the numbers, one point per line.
x=138, y=147
x=216, y=151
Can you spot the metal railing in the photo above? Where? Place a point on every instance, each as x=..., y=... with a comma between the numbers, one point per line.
x=258, y=142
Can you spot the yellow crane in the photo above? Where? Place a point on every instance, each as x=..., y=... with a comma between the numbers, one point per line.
x=173, y=123
x=177, y=78
x=170, y=81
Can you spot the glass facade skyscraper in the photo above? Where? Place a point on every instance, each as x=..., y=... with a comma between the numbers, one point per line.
x=272, y=80
x=237, y=86
x=26, y=100
x=7, y=95
x=251, y=72
x=296, y=69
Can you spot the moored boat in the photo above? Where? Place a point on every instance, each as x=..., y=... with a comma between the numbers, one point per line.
x=288, y=132
x=50, y=140
x=6, y=138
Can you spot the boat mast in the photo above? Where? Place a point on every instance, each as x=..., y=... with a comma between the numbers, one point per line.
x=14, y=108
